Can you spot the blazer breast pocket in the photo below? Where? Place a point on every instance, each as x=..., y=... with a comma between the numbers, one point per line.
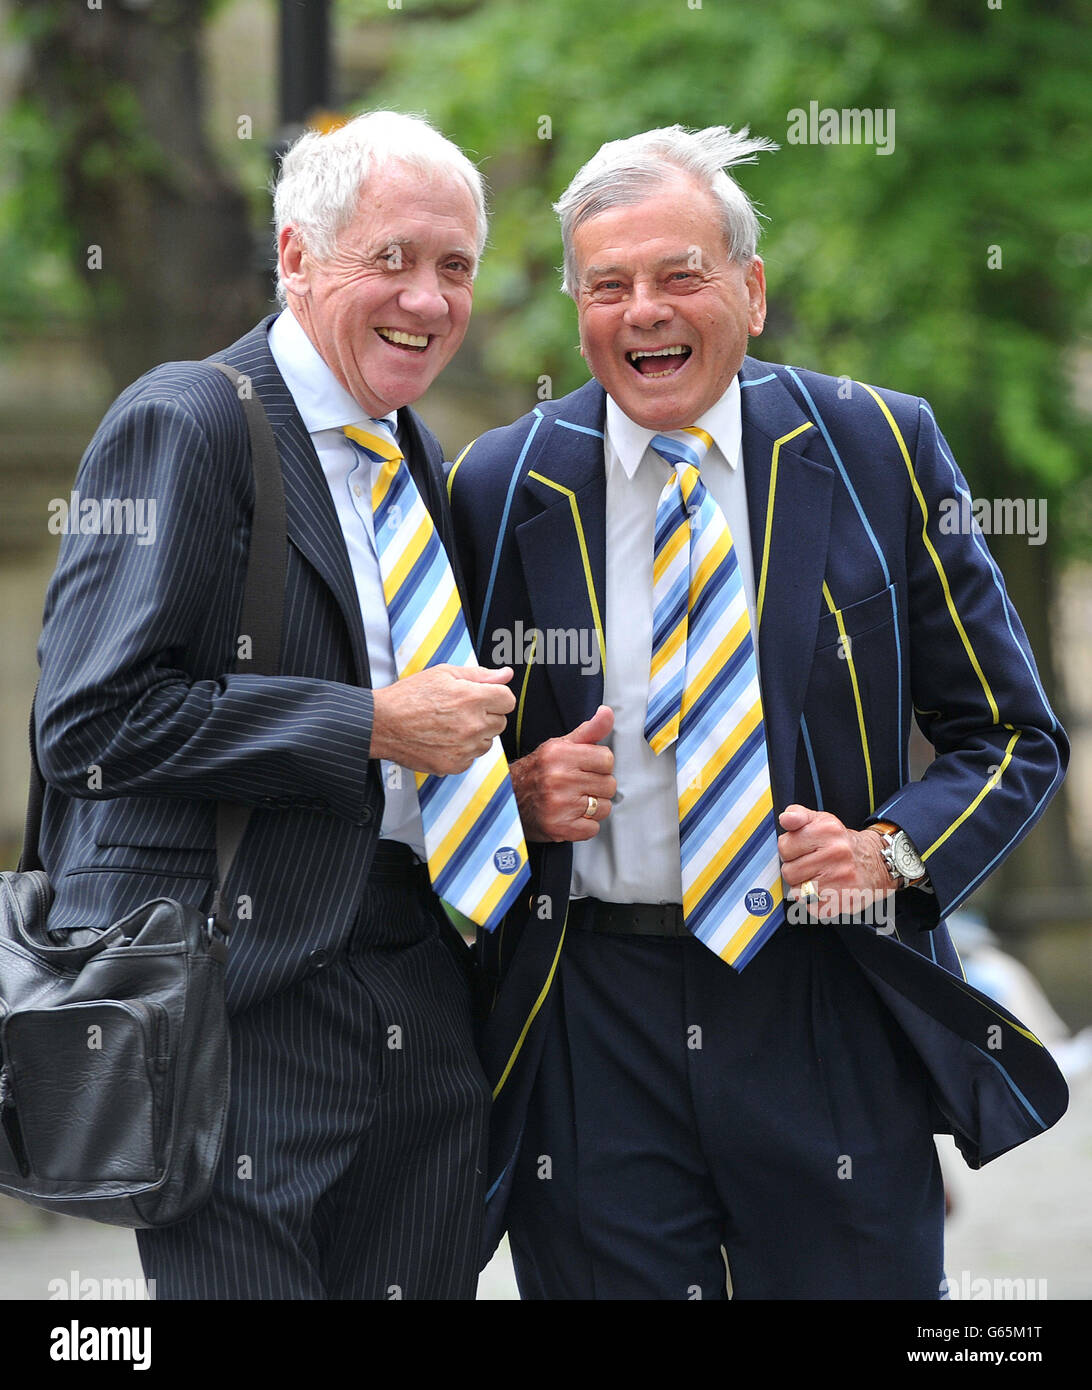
x=856, y=619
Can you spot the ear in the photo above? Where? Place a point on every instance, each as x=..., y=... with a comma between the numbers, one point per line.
x=580, y=330
x=756, y=294
x=294, y=265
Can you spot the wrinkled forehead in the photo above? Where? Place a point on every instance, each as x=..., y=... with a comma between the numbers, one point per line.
x=403, y=205
x=397, y=189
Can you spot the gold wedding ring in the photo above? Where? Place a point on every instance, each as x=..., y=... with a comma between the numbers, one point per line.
x=591, y=808
x=808, y=889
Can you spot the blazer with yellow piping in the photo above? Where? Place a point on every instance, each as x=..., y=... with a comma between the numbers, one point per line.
x=867, y=613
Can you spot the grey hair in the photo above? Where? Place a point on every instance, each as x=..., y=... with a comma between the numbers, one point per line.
x=322, y=175
x=624, y=172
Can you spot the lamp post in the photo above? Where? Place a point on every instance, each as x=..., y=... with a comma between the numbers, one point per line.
x=304, y=64
x=303, y=82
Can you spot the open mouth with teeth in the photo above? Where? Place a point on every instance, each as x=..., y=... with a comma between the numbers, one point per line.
x=408, y=342
x=663, y=362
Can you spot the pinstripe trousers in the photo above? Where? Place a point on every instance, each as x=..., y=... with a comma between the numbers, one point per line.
x=352, y=1166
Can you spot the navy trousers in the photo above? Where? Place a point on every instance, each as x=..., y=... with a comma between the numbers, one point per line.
x=352, y=1166
x=697, y=1133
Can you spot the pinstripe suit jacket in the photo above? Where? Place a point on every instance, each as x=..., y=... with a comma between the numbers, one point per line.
x=143, y=720
x=868, y=612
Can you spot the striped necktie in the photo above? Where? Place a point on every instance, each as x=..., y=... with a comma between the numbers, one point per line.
x=477, y=857
x=704, y=696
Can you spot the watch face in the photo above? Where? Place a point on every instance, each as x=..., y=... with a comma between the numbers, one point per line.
x=905, y=856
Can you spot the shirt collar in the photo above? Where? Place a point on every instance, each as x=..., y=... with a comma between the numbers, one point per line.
x=723, y=421
x=322, y=401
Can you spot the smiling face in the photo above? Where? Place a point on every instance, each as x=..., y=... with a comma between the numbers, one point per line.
x=388, y=310
x=664, y=312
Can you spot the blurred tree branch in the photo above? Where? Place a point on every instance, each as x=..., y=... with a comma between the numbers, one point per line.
x=111, y=119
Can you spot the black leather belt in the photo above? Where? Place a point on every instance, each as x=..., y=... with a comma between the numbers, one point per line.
x=628, y=919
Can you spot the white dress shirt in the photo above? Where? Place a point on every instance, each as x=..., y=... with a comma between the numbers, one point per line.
x=325, y=406
x=635, y=856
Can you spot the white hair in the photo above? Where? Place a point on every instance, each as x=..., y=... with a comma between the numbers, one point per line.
x=624, y=172
x=323, y=175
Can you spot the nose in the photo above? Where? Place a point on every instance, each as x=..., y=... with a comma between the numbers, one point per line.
x=421, y=295
x=647, y=307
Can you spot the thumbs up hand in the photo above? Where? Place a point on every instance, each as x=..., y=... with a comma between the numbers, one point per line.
x=564, y=788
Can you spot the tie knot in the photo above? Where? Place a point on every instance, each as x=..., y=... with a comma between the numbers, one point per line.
x=688, y=446
x=376, y=438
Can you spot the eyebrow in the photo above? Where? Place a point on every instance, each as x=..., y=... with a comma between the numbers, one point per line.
x=593, y=271
x=386, y=243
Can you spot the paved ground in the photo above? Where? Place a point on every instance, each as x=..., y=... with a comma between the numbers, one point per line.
x=1029, y=1213
x=1027, y=1216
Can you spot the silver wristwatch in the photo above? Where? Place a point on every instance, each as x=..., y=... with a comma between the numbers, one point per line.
x=904, y=863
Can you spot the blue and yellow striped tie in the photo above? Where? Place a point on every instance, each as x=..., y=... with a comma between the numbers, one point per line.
x=704, y=696
x=477, y=857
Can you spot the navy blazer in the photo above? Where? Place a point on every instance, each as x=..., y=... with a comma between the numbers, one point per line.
x=868, y=612
x=145, y=719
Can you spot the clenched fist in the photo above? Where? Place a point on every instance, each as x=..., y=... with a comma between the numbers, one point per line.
x=845, y=866
x=441, y=719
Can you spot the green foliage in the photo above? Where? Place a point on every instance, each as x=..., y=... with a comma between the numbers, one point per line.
x=82, y=129
x=37, y=244
x=877, y=265
x=40, y=253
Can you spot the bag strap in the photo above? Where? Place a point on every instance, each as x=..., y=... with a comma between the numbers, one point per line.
x=262, y=613
x=29, y=858
x=261, y=619
x=261, y=616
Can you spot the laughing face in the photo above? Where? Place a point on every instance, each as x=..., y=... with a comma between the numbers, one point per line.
x=665, y=313
x=388, y=310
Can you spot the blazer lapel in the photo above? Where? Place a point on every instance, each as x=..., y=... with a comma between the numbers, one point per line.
x=310, y=516
x=427, y=479
x=562, y=546
x=789, y=502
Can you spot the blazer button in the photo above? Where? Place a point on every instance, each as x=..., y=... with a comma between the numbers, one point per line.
x=366, y=816
x=318, y=959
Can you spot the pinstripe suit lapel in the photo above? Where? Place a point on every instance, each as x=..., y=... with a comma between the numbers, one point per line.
x=789, y=502
x=562, y=547
x=310, y=516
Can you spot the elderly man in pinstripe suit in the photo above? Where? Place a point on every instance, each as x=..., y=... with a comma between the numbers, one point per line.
x=690, y=1066
x=354, y=1152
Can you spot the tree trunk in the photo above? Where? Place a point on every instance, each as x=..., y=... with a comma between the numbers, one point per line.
x=1041, y=879
x=162, y=236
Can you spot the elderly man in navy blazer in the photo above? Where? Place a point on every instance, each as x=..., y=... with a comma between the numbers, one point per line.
x=354, y=1152
x=728, y=1018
